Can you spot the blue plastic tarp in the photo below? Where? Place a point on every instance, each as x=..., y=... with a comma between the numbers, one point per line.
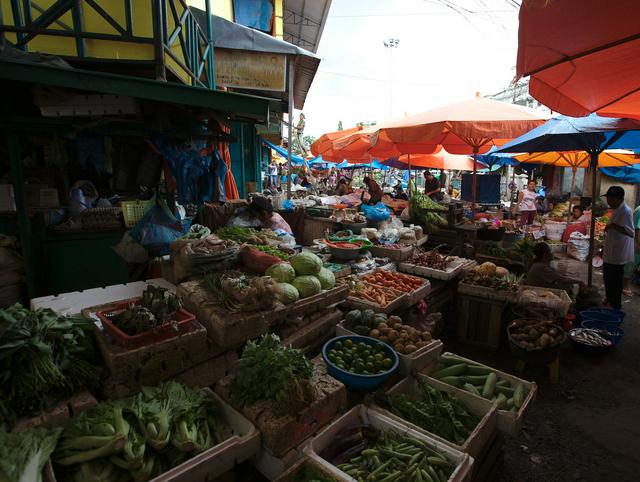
x=256, y=14
x=295, y=160
x=629, y=174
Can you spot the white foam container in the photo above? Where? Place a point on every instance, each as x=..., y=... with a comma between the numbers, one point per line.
x=360, y=414
x=72, y=304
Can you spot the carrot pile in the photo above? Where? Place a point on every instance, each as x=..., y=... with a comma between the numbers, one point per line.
x=375, y=294
x=398, y=281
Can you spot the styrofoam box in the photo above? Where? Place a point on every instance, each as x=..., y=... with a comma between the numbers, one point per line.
x=484, y=409
x=508, y=422
x=360, y=414
x=71, y=304
x=243, y=443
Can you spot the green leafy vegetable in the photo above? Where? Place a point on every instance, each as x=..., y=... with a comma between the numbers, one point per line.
x=24, y=454
x=44, y=357
x=269, y=371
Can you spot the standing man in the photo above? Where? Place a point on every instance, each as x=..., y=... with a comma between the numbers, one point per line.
x=432, y=186
x=618, y=246
x=273, y=174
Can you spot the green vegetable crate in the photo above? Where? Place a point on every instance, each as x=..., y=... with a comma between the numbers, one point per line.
x=413, y=362
x=360, y=415
x=232, y=330
x=509, y=422
x=484, y=409
x=283, y=431
x=242, y=440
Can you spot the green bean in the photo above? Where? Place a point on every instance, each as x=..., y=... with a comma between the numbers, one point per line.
x=426, y=477
x=391, y=477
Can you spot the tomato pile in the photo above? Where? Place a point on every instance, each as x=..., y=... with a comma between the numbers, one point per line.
x=361, y=358
x=399, y=281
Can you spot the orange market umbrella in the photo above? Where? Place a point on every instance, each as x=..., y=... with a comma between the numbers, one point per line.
x=469, y=127
x=582, y=55
x=324, y=142
x=438, y=160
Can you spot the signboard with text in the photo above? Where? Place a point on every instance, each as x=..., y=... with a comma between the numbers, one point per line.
x=250, y=70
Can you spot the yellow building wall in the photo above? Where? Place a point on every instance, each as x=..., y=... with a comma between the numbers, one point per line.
x=278, y=8
x=142, y=20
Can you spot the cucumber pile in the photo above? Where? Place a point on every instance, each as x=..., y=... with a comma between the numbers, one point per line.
x=481, y=381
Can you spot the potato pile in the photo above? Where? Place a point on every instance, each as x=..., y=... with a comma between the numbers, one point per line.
x=535, y=334
x=403, y=338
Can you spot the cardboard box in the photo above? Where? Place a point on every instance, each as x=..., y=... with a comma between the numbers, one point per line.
x=7, y=198
x=41, y=196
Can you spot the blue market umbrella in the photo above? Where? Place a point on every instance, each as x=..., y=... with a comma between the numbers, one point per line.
x=591, y=134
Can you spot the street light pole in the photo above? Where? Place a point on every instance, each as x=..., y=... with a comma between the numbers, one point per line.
x=390, y=45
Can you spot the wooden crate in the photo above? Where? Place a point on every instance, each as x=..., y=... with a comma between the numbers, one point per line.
x=205, y=374
x=282, y=432
x=298, y=469
x=158, y=361
x=480, y=321
x=60, y=414
x=484, y=409
x=232, y=330
x=314, y=333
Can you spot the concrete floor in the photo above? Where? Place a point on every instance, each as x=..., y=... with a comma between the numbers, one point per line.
x=587, y=426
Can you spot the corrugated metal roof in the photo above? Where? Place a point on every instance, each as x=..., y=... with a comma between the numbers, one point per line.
x=304, y=22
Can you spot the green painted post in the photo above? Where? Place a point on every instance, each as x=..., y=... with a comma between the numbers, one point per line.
x=210, y=54
x=21, y=211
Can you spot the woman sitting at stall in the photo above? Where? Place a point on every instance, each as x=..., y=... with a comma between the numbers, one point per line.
x=343, y=188
x=261, y=209
x=542, y=274
x=375, y=193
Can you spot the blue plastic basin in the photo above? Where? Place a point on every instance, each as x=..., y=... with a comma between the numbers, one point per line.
x=612, y=317
x=609, y=329
x=355, y=381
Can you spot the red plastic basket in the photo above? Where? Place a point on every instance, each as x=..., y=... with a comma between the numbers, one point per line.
x=163, y=332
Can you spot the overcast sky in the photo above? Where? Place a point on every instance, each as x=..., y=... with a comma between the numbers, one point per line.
x=441, y=57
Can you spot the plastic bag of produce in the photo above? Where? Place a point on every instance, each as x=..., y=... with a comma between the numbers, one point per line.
x=578, y=246
x=157, y=229
x=256, y=261
x=378, y=212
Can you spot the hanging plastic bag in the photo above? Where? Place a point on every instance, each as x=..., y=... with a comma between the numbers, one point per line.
x=378, y=212
x=157, y=229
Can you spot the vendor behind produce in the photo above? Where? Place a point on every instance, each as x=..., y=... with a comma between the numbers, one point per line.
x=542, y=274
x=261, y=209
x=398, y=193
x=375, y=192
x=432, y=186
x=344, y=187
x=576, y=213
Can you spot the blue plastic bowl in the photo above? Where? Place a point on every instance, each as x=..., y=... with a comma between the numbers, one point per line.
x=355, y=381
x=613, y=332
x=611, y=316
x=610, y=311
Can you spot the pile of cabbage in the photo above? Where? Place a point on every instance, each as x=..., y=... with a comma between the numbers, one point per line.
x=301, y=277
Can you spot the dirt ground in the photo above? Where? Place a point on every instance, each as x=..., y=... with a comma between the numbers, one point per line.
x=587, y=426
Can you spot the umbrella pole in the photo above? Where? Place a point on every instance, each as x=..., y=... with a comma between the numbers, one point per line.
x=473, y=183
x=409, y=183
x=290, y=115
x=592, y=230
x=573, y=182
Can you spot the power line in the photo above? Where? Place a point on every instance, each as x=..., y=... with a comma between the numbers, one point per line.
x=424, y=14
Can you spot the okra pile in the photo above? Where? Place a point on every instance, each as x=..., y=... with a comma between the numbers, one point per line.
x=398, y=458
x=481, y=381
